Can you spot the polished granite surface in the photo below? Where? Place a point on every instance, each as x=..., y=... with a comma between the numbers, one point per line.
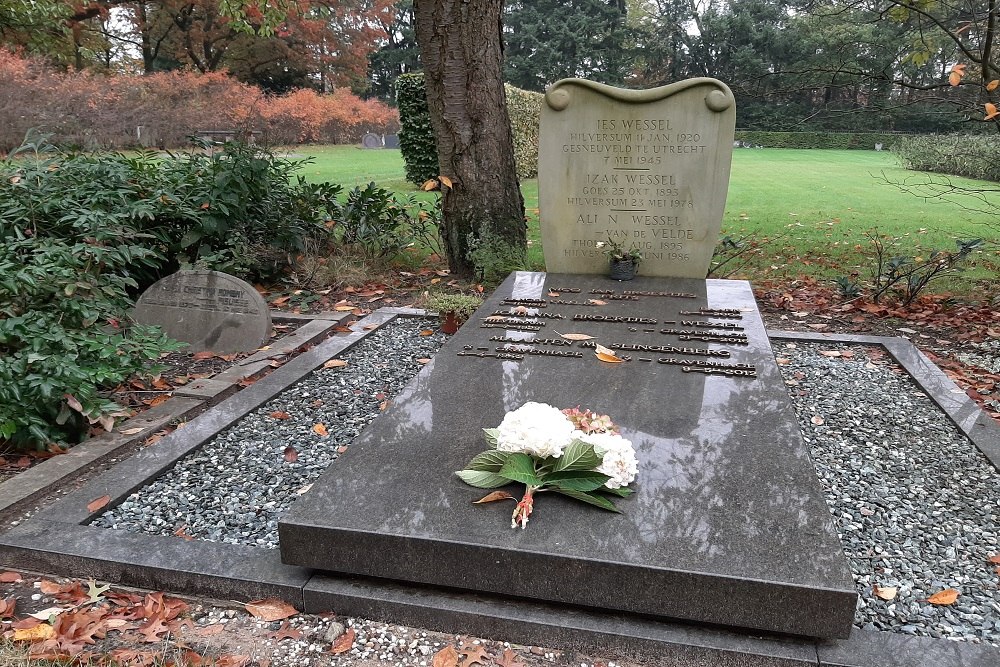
x=727, y=526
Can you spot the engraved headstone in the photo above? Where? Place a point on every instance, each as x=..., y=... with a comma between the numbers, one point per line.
x=208, y=310
x=392, y=141
x=371, y=141
x=648, y=169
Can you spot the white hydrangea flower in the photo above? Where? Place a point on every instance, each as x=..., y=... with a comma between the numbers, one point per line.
x=536, y=429
x=619, y=461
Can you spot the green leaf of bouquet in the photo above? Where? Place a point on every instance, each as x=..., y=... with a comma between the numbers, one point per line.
x=491, y=435
x=590, y=498
x=482, y=479
x=520, y=468
x=488, y=461
x=578, y=480
x=621, y=492
x=578, y=456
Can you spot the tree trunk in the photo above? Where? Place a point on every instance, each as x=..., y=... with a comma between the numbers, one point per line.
x=461, y=47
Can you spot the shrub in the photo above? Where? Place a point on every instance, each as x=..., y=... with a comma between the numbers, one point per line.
x=416, y=136
x=95, y=111
x=240, y=210
x=841, y=140
x=64, y=337
x=958, y=155
x=525, y=108
x=906, y=277
x=382, y=225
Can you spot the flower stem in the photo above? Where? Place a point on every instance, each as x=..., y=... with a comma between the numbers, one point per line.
x=524, y=507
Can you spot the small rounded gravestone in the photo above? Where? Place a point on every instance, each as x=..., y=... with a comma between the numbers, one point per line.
x=208, y=310
x=371, y=141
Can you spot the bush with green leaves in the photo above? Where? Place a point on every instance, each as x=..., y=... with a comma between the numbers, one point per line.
x=382, y=224
x=242, y=209
x=906, y=277
x=64, y=335
x=971, y=156
x=416, y=135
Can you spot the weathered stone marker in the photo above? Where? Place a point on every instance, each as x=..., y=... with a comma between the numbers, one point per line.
x=647, y=168
x=727, y=525
x=208, y=310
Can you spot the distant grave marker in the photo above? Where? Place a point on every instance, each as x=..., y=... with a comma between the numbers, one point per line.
x=208, y=310
x=392, y=141
x=371, y=141
x=647, y=168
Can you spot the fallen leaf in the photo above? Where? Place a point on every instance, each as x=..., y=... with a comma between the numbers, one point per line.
x=885, y=592
x=286, y=632
x=782, y=361
x=345, y=308
x=7, y=607
x=98, y=503
x=473, y=654
x=993, y=559
x=132, y=431
x=426, y=332
x=830, y=353
x=343, y=643
x=609, y=358
x=445, y=181
x=9, y=577
x=554, y=294
x=320, y=429
x=46, y=614
x=509, y=659
x=945, y=597
x=335, y=363
x=597, y=302
x=446, y=657
x=291, y=454
x=95, y=593
x=575, y=336
x=33, y=634
x=817, y=420
x=73, y=403
x=201, y=356
x=271, y=609
x=210, y=630
x=279, y=414
x=493, y=497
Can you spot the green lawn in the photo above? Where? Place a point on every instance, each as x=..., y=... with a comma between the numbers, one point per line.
x=813, y=206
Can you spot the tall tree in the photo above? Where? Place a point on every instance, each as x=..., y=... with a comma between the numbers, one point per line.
x=461, y=47
x=398, y=55
x=548, y=40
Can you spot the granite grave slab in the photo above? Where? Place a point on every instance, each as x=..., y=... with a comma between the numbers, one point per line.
x=208, y=310
x=647, y=169
x=728, y=524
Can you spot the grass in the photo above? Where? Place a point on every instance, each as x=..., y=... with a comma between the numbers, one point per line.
x=812, y=206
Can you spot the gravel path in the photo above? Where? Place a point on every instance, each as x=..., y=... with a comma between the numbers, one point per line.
x=234, y=488
x=916, y=504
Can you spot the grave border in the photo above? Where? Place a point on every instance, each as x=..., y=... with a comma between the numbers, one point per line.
x=56, y=541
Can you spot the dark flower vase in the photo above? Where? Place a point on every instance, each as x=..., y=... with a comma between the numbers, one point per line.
x=449, y=323
x=623, y=269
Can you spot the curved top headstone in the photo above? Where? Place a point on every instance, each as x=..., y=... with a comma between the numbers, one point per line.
x=208, y=310
x=648, y=169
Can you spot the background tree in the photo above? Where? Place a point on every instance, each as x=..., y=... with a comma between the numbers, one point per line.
x=548, y=40
x=398, y=55
x=461, y=47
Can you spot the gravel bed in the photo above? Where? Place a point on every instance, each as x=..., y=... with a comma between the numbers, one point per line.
x=234, y=488
x=916, y=505
x=985, y=355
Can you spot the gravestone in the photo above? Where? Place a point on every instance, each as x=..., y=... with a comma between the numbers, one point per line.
x=727, y=526
x=208, y=310
x=646, y=168
x=371, y=141
x=392, y=141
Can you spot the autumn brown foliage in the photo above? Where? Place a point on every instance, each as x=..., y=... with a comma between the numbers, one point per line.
x=96, y=111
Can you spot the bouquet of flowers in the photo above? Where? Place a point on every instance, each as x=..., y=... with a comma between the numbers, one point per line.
x=574, y=452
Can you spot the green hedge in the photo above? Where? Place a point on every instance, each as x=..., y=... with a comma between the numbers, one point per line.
x=525, y=108
x=842, y=140
x=958, y=155
x=416, y=136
